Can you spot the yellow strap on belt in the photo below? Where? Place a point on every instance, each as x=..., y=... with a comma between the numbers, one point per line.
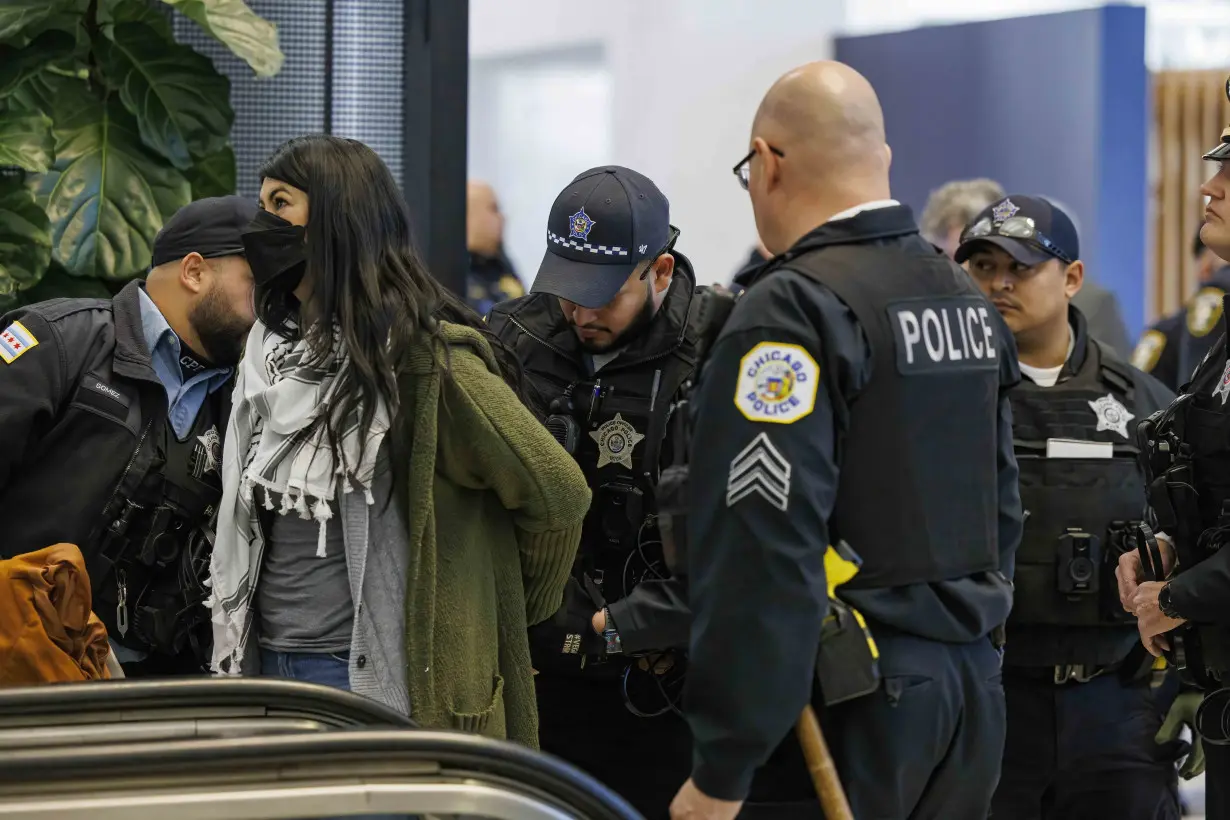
x=1159, y=664
x=841, y=564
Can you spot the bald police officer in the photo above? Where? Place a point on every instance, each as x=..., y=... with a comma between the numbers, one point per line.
x=857, y=393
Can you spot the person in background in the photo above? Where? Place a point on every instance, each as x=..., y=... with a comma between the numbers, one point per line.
x=1171, y=349
x=954, y=205
x=491, y=279
x=755, y=260
x=1081, y=714
x=393, y=516
x=111, y=421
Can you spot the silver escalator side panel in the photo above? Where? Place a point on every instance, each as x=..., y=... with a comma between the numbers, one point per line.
x=140, y=731
x=291, y=802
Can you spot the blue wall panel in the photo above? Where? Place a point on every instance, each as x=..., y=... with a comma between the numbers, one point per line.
x=1053, y=105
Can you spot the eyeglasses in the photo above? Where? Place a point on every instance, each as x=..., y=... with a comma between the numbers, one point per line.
x=670, y=244
x=1015, y=227
x=743, y=168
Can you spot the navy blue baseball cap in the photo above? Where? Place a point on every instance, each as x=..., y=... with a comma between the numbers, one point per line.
x=602, y=227
x=1221, y=152
x=1030, y=229
x=212, y=227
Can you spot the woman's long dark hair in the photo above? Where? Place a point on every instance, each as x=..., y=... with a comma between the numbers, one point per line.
x=364, y=274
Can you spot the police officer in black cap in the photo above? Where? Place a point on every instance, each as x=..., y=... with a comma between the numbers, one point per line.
x=1170, y=350
x=111, y=422
x=1081, y=715
x=604, y=340
x=1179, y=587
x=857, y=394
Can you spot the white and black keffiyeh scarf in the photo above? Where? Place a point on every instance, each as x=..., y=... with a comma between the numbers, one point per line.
x=277, y=454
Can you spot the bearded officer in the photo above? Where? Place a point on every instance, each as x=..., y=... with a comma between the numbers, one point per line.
x=1171, y=349
x=1182, y=598
x=857, y=393
x=111, y=414
x=605, y=342
x=1081, y=714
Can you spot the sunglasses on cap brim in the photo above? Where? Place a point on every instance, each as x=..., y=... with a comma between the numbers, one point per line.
x=1021, y=228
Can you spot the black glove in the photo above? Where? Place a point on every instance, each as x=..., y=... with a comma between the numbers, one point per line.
x=567, y=641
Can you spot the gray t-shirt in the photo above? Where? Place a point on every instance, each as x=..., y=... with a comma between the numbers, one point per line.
x=304, y=601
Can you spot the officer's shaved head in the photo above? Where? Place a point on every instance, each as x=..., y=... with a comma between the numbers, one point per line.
x=819, y=136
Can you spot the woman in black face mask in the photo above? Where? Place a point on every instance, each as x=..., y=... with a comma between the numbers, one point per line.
x=393, y=514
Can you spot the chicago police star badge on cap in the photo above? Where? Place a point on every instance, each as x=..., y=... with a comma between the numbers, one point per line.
x=579, y=225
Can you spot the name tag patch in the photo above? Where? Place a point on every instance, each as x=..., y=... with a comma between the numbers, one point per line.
x=943, y=335
x=96, y=394
x=15, y=340
x=777, y=383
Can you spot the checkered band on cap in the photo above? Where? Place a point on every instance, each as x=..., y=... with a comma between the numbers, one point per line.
x=609, y=250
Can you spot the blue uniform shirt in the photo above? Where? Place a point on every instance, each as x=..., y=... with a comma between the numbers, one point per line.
x=184, y=398
x=1172, y=349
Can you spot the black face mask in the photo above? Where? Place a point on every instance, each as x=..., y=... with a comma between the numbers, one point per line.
x=275, y=251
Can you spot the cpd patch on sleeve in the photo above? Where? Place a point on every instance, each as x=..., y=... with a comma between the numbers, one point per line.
x=1149, y=350
x=1204, y=311
x=777, y=383
x=947, y=334
x=15, y=340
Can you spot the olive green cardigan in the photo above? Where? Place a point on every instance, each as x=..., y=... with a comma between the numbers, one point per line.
x=494, y=516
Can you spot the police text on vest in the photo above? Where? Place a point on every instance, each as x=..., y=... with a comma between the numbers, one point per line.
x=945, y=334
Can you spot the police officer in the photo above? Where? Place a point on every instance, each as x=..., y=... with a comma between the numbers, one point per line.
x=1171, y=349
x=604, y=340
x=111, y=417
x=1181, y=595
x=491, y=278
x=1081, y=714
x=857, y=394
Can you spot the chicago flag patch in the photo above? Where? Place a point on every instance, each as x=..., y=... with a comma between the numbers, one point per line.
x=14, y=341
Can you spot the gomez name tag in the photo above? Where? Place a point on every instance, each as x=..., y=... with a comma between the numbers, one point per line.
x=942, y=335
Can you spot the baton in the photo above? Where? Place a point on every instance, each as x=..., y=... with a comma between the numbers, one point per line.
x=820, y=764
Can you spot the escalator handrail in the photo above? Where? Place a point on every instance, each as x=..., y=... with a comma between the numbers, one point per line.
x=57, y=702
x=452, y=751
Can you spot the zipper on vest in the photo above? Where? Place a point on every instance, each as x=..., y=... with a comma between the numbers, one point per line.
x=131, y=461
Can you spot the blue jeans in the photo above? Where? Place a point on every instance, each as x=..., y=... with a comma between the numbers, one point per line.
x=326, y=669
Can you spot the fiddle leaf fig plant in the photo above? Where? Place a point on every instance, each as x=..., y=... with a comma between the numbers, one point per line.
x=107, y=127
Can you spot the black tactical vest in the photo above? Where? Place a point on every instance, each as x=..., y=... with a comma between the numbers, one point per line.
x=623, y=416
x=1078, y=508
x=153, y=552
x=918, y=496
x=1188, y=450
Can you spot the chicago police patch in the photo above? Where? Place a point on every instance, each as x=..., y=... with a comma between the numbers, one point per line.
x=1149, y=350
x=777, y=383
x=15, y=340
x=1204, y=311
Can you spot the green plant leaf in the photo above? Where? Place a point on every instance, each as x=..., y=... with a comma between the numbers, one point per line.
x=20, y=64
x=25, y=138
x=182, y=104
x=111, y=12
x=18, y=15
x=25, y=241
x=107, y=195
x=251, y=38
x=56, y=283
x=213, y=175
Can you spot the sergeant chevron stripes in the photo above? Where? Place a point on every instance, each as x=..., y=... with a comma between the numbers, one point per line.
x=759, y=468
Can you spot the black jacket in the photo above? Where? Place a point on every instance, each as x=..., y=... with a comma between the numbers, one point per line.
x=655, y=615
x=73, y=409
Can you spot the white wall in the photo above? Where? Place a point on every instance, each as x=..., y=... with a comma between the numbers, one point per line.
x=685, y=77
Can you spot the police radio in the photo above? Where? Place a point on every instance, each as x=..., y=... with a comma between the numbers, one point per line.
x=561, y=424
